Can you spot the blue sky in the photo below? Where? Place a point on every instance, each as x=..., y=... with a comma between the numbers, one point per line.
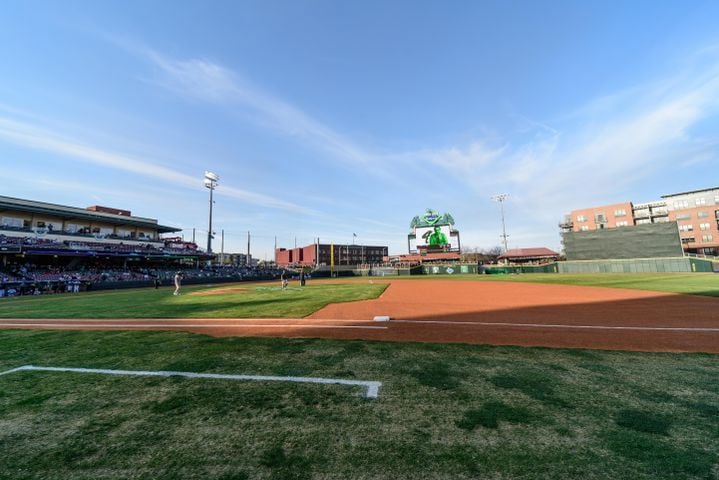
x=327, y=118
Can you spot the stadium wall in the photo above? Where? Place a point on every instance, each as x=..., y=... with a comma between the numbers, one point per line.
x=638, y=265
x=449, y=269
x=546, y=268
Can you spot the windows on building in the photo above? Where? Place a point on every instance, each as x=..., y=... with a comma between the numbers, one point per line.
x=621, y=212
x=700, y=201
x=688, y=240
x=584, y=228
x=684, y=216
x=702, y=214
x=707, y=238
x=679, y=204
x=704, y=226
x=622, y=223
x=581, y=218
x=686, y=228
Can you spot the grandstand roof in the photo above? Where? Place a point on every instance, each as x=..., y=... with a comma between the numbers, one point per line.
x=66, y=212
x=521, y=253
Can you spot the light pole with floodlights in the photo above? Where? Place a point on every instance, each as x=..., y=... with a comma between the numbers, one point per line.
x=501, y=198
x=211, y=180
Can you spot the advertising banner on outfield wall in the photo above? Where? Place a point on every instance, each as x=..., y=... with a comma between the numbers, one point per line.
x=452, y=269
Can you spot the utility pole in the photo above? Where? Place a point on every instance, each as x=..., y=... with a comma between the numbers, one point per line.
x=193, y=234
x=501, y=198
x=222, y=249
x=275, y=250
x=249, y=263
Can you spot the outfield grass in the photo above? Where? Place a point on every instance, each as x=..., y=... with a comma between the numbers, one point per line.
x=685, y=283
x=444, y=411
x=706, y=284
x=258, y=300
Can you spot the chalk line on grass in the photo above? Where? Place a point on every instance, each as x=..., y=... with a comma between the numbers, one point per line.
x=372, y=387
x=13, y=370
x=185, y=325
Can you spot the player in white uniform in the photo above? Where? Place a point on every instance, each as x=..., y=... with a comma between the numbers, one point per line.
x=178, y=283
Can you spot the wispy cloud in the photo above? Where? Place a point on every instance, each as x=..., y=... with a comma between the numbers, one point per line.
x=605, y=148
x=610, y=137
x=204, y=79
x=39, y=138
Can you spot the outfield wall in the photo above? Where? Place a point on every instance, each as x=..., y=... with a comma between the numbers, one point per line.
x=450, y=269
x=635, y=265
x=638, y=265
x=505, y=269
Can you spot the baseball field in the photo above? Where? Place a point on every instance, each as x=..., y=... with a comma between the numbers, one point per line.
x=251, y=381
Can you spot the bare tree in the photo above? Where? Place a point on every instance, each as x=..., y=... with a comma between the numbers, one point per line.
x=480, y=255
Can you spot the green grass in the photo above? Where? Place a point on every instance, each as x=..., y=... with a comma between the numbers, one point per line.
x=686, y=283
x=444, y=411
x=269, y=301
x=265, y=301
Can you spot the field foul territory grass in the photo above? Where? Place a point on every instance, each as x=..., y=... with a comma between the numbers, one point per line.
x=445, y=410
x=371, y=387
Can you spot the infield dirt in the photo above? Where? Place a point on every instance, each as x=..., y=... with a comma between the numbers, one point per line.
x=498, y=313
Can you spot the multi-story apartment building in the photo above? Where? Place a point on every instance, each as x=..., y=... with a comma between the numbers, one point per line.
x=597, y=218
x=696, y=213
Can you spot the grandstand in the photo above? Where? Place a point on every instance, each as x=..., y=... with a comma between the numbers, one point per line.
x=50, y=248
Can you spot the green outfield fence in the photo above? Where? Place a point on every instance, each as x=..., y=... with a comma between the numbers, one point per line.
x=636, y=265
x=449, y=269
x=506, y=269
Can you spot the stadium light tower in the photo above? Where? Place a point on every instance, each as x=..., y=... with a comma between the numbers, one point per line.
x=211, y=180
x=501, y=198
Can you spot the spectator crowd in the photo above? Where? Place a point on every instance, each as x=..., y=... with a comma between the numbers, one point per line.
x=32, y=279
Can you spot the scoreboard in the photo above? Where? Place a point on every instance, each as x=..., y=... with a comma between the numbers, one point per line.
x=432, y=233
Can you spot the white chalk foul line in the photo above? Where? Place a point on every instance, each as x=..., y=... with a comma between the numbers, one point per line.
x=130, y=320
x=371, y=386
x=549, y=325
x=186, y=325
x=13, y=370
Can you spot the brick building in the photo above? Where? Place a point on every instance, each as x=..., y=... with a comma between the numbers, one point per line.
x=696, y=213
x=318, y=254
